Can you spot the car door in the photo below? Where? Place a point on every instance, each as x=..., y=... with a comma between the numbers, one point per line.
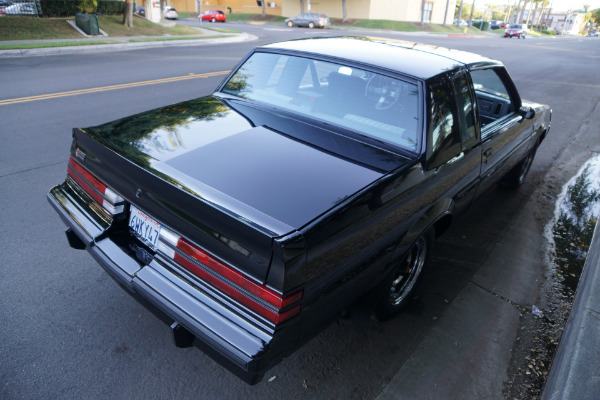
x=470, y=142
x=504, y=132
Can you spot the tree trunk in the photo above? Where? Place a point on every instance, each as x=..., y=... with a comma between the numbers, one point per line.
x=471, y=16
x=445, y=14
x=262, y=3
x=422, y=12
x=522, y=14
x=528, y=13
x=537, y=4
x=162, y=11
x=301, y=6
x=459, y=13
x=539, y=21
x=344, y=11
x=516, y=14
x=128, y=14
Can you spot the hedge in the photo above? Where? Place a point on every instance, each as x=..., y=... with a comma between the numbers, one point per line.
x=68, y=8
x=478, y=25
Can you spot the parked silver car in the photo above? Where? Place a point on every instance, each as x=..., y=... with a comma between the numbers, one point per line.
x=311, y=20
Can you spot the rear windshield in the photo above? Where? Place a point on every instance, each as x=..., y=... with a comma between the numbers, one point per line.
x=373, y=105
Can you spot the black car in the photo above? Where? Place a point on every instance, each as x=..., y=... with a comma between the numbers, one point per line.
x=319, y=170
x=141, y=11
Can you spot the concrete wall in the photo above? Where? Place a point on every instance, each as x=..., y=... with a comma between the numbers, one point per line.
x=395, y=10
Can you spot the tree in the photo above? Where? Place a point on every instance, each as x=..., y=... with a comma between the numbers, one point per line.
x=445, y=14
x=529, y=12
x=595, y=16
x=128, y=14
x=471, y=17
x=88, y=6
x=264, y=12
x=516, y=14
x=458, y=18
x=344, y=11
x=301, y=6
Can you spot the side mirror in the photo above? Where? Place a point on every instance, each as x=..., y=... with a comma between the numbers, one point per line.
x=526, y=112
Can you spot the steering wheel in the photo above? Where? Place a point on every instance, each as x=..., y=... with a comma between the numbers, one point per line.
x=384, y=90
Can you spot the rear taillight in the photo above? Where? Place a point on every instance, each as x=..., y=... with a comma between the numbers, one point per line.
x=102, y=194
x=260, y=299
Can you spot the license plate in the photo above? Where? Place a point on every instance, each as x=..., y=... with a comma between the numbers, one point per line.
x=144, y=226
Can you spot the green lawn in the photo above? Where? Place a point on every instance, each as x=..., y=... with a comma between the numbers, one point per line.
x=33, y=28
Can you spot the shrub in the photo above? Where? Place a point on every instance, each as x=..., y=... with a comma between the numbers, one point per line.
x=68, y=8
x=481, y=25
x=88, y=6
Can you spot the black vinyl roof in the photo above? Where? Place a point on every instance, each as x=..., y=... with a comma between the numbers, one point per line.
x=415, y=59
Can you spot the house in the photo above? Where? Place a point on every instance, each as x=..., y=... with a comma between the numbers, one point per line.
x=566, y=23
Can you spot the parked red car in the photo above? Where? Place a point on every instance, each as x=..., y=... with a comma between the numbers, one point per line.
x=213, y=16
x=516, y=30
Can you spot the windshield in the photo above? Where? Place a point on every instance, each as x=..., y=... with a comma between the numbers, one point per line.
x=373, y=105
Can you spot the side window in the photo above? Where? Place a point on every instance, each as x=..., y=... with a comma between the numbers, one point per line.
x=443, y=136
x=492, y=95
x=465, y=109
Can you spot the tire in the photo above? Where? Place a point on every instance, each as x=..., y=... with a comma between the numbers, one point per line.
x=405, y=277
x=213, y=20
x=290, y=24
x=516, y=176
x=311, y=25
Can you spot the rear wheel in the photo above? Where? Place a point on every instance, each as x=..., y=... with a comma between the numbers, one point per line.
x=516, y=176
x=213, y=20
x=311, y=25
x=290, y=24
x=405, y=277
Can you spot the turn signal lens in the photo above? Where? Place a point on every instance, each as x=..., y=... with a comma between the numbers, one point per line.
x=260, y=299
x=101, y=193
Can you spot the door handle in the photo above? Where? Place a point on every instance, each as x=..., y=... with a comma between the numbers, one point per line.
x=486, y=155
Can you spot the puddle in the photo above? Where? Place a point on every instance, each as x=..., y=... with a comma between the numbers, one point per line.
x=571, y=230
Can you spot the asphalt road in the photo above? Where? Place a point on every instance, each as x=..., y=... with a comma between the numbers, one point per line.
x=68, y=331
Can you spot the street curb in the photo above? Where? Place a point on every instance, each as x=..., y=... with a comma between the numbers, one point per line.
x=575, y=372
x=102, y=48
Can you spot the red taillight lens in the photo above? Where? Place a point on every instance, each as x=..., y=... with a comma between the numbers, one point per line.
x=260, y=299
x=101, y=193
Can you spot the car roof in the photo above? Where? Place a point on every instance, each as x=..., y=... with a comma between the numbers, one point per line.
x=415, y=59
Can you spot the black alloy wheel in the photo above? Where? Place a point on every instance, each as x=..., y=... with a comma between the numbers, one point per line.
x=404, y=279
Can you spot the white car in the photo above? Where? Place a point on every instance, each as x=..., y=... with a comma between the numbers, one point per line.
x=171, y=13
